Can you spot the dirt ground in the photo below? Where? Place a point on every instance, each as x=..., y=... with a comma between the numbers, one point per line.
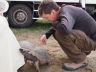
x=58, y=57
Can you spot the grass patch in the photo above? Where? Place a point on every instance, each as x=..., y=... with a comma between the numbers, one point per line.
x=39, y=26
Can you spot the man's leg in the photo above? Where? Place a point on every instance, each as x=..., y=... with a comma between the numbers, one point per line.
x=74, y=46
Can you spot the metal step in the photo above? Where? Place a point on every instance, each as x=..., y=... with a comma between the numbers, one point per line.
x=38, y=18
x=35, y=10
x=36, y=2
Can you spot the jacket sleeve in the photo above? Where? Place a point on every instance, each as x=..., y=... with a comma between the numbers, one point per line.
x=50, y=32
x=65, y=24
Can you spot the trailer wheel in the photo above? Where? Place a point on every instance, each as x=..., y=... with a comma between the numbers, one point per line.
x=20, y=16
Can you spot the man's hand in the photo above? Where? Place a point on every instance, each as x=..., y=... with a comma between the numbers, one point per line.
x=43, y=39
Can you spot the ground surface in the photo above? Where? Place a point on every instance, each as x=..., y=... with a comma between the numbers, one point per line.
x=58, y=57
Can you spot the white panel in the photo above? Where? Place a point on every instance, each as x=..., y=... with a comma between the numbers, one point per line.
x=69, y=1
x=90, y=1
x=73, y=1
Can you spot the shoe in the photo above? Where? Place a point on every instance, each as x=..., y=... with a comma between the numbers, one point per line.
x=72, y=69
x=87, y=53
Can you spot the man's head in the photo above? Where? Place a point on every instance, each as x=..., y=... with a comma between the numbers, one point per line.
x=48, y=9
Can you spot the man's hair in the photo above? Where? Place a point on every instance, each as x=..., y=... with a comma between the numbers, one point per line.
x=47, y=6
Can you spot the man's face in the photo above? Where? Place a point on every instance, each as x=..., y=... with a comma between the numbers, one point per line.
x=52, y=17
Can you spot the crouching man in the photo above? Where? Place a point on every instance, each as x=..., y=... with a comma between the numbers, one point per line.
x=73, y=28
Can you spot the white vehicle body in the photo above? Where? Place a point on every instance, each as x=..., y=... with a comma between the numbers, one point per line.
x=20, y=10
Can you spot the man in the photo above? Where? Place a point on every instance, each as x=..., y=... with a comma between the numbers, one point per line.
x=73, y=28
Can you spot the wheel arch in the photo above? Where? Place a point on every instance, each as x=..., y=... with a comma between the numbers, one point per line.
x=10, y=17
x=30, y=4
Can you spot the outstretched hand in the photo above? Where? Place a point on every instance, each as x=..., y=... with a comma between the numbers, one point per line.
x=43, y=40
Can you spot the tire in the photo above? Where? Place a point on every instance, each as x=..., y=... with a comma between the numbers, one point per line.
x=20, y=16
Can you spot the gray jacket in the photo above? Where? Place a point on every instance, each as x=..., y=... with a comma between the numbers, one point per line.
x=72, y=17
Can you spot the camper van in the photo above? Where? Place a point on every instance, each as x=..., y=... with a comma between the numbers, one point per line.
x=22, y=13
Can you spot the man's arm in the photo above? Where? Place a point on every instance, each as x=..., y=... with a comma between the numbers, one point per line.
x=66, y=24
x=50, y=32
x=47, y=35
